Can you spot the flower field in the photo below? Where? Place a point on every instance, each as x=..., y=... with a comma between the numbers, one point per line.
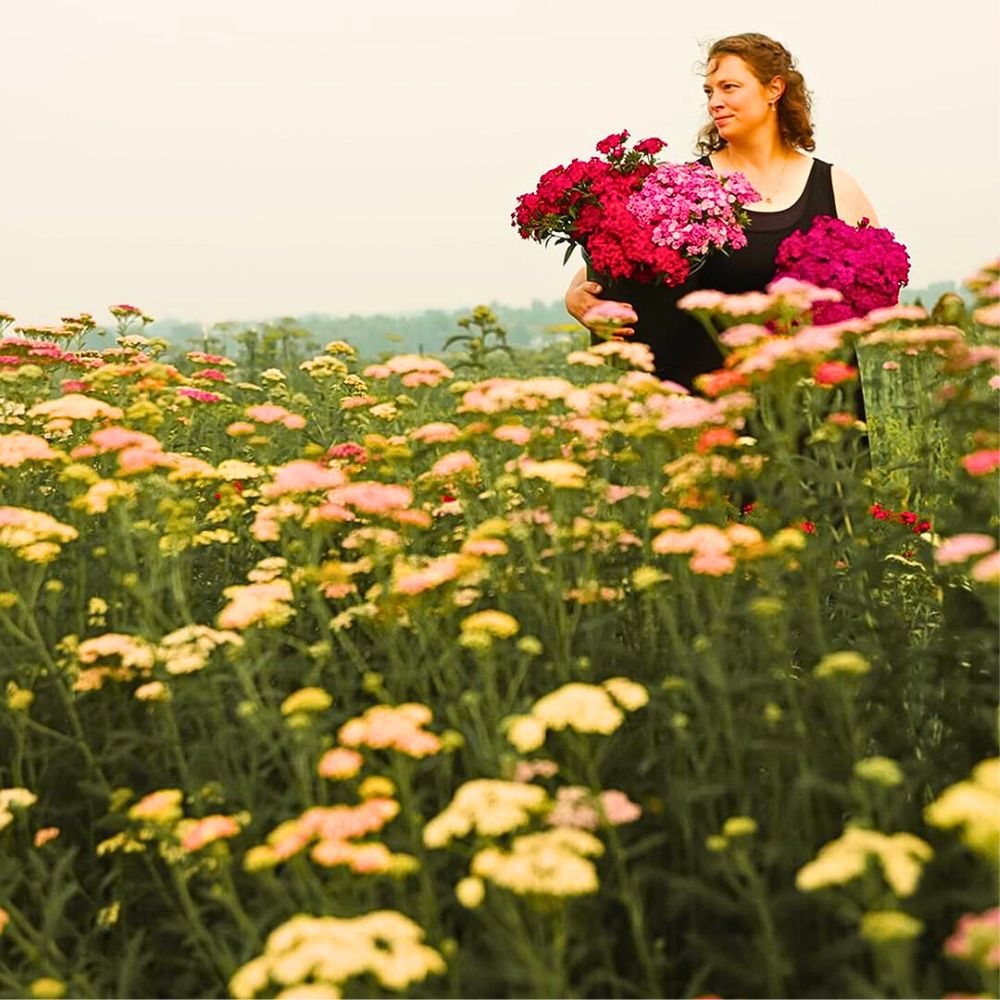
x=537, y=678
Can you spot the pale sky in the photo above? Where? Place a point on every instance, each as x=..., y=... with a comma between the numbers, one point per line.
x=224, y=159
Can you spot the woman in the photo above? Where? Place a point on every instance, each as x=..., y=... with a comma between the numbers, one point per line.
x=761, y=127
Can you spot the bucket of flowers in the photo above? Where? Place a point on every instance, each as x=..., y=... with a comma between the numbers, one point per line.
x=634, y=217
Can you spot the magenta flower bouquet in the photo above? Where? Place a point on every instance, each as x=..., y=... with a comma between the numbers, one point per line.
x=634, y=217
x=864, y=263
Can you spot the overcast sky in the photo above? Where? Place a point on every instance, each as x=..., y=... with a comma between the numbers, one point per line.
x=222, y=159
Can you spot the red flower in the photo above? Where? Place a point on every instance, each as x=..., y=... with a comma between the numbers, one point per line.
x=651, y=146
x=808, y=527
x=879, y=512
x=612, y=142
x=714, y=437
x=831, y=373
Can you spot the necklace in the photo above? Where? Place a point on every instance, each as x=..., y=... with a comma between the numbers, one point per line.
x=766, y=198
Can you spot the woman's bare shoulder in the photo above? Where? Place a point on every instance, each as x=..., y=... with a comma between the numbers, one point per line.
x=852, y=202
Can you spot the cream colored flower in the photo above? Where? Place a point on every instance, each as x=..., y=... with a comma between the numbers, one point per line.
x=487, y=807
x=553, y=863
x=586, y=708
x=525, y=732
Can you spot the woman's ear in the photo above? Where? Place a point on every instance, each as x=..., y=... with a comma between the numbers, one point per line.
x=776, y=88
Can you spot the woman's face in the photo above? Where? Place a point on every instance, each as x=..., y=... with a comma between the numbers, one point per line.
x=737, y=101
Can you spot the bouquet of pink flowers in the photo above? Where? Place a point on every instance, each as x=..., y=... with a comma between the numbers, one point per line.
x=634, y=217
x=865, y=264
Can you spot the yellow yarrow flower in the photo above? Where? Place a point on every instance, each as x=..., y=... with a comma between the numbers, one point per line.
x=488, y=807
x=307, y=699
x=494, y=623
x=901, y=855
x=843, y=663
x=553, y=863
x=739, y=826
x=470, y=892
x=880, y=771
x=525, y=732
x=973, y=806
x=630, y=695
x=48, y=988
x=14, y=798
x=587, y=708
x=308, y=952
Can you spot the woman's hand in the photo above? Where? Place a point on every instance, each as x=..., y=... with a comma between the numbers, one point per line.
x=582, y=295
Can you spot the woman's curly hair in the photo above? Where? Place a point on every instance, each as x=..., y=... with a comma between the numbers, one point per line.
x=766, y=59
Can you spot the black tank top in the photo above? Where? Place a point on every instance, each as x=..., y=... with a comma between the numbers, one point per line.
x=680, y=345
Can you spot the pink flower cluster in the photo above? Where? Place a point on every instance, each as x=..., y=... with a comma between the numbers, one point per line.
x=865, y=264
x=631, y=217
x=690, y=209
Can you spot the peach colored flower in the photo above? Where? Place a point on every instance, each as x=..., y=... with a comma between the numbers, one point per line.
x=436, y=433
x=527, y=770
x=635, y=354
x=302, y=476
x=485, y=547
x=131, y=651
x=453, y=464
x=267, y=603
x=116, y=438
x=988, y=315
x=76, y=406
x=45, y=835
x=584, y=358
x=702, y=299
x=132, y=460
x=198, y=833
x=370, y=497
x=404, y=364
x=339, y=763
x=743, y=335
x=19, y=447
x=412, y=580
x=889, y=314
x=397, y=727
x=514, y=433
x=712, y=563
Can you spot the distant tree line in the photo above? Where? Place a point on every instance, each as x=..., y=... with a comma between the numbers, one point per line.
x=278, y=342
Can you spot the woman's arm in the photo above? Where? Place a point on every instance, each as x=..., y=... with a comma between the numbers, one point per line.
x=852, y=203
x=582, y=296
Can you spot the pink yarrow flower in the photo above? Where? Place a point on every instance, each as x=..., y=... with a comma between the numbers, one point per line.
x=961, y=548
